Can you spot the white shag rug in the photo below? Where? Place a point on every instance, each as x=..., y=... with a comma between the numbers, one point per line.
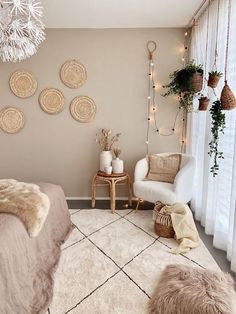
x=111, y=263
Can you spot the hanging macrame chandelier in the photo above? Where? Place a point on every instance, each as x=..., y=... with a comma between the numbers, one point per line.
x=21, y=29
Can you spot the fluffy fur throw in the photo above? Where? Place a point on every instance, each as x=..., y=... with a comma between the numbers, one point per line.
x=184, y=290
x=26, y=202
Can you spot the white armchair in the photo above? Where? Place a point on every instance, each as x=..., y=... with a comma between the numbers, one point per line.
x=166, y=193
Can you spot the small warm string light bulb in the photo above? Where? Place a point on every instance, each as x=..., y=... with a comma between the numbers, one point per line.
x=151, y=63
x=147, y=142
x=148, y=97
x=183, y=59
x=186, y=34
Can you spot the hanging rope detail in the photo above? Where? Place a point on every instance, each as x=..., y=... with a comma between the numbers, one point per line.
x=216, y=40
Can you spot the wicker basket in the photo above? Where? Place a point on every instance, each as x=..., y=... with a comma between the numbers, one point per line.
x=213, y=81
x=203, y=103
x=227, y=98
x=197, y=81
x=163, y=223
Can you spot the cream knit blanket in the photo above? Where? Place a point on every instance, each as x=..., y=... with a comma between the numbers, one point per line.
x=185, y=230
x=26, y=202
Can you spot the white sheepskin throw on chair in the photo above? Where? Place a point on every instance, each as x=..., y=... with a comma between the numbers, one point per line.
x=26, y=202
x=191, y=290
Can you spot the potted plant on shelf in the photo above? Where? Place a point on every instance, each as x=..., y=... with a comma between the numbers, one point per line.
x=213, y=79
x=117, y=163
x=106, y=142
x=185, y=83
x=218, y=125
x=203, y=102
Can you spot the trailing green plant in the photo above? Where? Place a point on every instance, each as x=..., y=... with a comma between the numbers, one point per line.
x=218, y=125
x=182, y=84
x=216, y=73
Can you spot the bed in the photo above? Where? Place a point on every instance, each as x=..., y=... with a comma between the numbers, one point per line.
x=27, y=264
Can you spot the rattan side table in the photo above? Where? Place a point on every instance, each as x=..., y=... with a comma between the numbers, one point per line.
x=112, y=180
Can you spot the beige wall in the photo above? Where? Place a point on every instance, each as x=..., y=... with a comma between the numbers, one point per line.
x=57, y=148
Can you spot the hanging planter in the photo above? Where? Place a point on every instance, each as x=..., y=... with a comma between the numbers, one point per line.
x=213, y=79
x=185, y=83
x=197, y=81
x=217, y=127
x=227, y=98
x=203, y=103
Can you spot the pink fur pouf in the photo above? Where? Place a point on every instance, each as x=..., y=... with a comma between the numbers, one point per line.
x=190, y=290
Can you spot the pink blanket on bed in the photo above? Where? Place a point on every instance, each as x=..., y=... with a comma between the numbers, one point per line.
x=27, y=264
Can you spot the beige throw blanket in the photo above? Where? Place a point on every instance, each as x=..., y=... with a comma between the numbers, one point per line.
x=26, y=202
x=185, y=230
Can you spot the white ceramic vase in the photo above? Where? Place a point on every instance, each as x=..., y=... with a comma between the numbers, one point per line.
x=105, y=159
x=117, y=165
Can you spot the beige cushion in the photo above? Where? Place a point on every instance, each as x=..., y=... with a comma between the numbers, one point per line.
x=163, y=168
x=184, y=290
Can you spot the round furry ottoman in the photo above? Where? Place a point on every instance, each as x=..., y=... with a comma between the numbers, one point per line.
x=190, y=290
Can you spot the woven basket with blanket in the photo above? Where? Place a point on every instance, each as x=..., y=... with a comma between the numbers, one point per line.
x=176, y=221
x=163, y=223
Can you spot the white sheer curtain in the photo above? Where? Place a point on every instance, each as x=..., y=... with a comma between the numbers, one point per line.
x=214, y=201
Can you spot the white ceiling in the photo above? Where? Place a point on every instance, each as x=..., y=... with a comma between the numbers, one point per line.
x=118, y=13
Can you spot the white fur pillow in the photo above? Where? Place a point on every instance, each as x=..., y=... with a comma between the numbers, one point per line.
x=190, y=290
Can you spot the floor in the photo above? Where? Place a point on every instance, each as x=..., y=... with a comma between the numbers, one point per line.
x=113, y=261
x=219, y=255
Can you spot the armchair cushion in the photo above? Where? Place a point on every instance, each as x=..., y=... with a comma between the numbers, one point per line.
x=153, y=191
x=163, y=168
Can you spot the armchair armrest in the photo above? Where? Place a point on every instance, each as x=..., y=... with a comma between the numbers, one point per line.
x=141, y=170
x=183, y=183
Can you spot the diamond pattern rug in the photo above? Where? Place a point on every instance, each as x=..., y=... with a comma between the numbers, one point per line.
x=111, y=263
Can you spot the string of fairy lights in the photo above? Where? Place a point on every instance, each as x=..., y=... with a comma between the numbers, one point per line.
x=152, y=107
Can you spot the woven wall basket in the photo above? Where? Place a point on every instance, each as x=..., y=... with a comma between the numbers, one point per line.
x=163, y=223
x=227, y=98
x=83, y=109
x=73, y=73
x=23, y=84
x=197, y=81
x=11, y=120
x=51, y=100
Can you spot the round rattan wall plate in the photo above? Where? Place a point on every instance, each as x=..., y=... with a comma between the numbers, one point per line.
x=73, y=73
x=23, y=84
x=12, y=120
x=83, y=109
x=51, y=100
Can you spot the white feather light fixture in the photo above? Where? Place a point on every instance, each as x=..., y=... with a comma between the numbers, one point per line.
x=21, y=29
